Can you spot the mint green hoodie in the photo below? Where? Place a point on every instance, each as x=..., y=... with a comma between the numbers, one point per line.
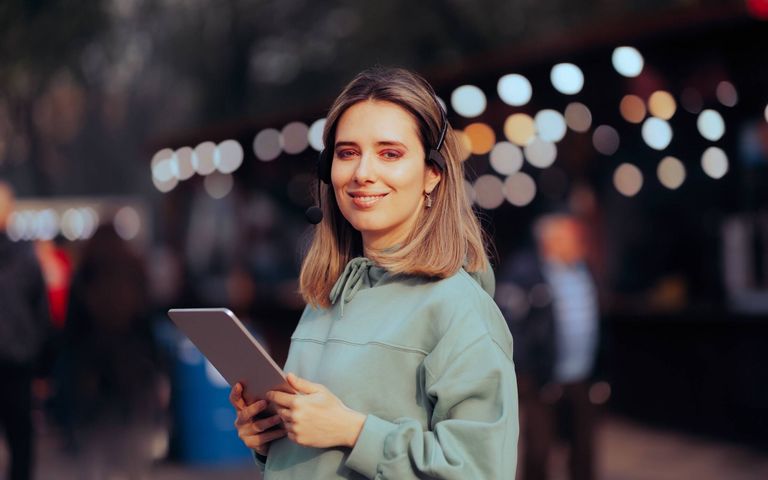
x=430, y=364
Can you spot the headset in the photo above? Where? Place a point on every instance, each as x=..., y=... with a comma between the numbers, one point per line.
x=314, y=213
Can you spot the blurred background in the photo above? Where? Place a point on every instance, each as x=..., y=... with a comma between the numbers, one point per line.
x=162, y=155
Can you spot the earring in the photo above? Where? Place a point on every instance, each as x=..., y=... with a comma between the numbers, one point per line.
x=429, y=200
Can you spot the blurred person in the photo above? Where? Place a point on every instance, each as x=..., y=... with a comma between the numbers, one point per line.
x=24, y=328
x=549, y=299
x=111, y=385
x=401, y=363
x=57, y=272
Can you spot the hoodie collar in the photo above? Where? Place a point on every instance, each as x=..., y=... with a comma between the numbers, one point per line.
x=359, y=273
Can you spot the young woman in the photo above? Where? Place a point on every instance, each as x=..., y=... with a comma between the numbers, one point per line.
x=401, y=362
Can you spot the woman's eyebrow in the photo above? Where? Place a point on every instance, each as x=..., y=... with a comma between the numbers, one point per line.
x=381, y=143
x=391, y=143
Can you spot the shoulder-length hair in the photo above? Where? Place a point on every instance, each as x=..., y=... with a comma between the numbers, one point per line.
x=445, y=237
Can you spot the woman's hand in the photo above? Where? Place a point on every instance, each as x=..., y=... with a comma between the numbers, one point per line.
x=252, y=431
x=315, y=417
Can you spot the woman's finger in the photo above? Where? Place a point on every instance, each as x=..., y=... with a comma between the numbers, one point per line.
x=258, y=441
x=286, y=414
x=245, y=415
x=255, y=408
x=266, y=423
x=281, y=399
x=236, y=396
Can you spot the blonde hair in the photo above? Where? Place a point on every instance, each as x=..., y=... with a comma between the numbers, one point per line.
x=445, y=237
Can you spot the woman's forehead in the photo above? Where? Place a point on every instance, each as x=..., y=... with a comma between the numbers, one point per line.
x=377, y=120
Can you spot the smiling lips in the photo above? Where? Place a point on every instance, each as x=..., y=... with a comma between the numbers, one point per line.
x=366, y=200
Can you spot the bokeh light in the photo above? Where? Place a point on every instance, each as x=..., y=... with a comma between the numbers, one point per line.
x=520, y=129
x=46, y=224
x=184, y=163
x=506, y=158
x=519, y=189
x=605, y=140
x=691, y=100
x=315, y=134
x=540, y=153
x=267, y=145
x=464, y=143
x=167, y=186
x=628, y=179
x=662, y=104
x=295, y=137
x=600, y=393
x=627, y=61
x=550, y=125
x=714, y=162
x=468, y=101
x=578, y=117
x=726, y=94
x=202, y=158
x=514, y=89
x=127, y=223
x=656, y=133
x=671, y=172
x=711, y=125
x=567, y=78
x=765, y=113
x=632, y=109
x=16, y=226
x=90, y=222
x=481, y=138
x=162, y=165
x=72, y=224
x=469, y=192
x=79, y=223
x=218, y=185
x=228, y=156
x=489, y=192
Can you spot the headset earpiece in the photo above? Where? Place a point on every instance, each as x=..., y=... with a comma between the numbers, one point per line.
x=324, y=161
x=437, y=158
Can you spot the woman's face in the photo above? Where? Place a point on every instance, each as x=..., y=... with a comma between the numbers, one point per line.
x=379, y=174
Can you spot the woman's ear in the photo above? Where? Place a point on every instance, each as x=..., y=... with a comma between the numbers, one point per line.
x=432, y=177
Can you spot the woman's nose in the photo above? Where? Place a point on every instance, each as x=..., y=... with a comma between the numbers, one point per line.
x=366, y=169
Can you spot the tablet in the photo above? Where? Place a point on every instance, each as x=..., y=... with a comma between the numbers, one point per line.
x=231, y=348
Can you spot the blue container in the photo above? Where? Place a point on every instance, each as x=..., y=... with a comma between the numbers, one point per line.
x=203, y=417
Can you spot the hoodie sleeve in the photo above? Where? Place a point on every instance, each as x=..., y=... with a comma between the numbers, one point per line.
x=473, y=427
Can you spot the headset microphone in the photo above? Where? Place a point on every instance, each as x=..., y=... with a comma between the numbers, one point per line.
x=314, y=214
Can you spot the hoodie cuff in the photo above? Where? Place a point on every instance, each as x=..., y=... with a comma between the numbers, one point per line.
x=261, y=461
x=369, y=449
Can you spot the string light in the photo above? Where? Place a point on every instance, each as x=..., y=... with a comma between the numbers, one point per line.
x=671, y=172
x=567, y=78
x=627, y=61
x=519, y=189
x=514, y=89
x=468, y=101
x=628, y=179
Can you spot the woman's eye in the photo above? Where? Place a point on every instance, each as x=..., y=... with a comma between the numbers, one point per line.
x=391, y=154
x=345, y=153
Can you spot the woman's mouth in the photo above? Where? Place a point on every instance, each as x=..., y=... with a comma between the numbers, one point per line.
x=366, y=201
